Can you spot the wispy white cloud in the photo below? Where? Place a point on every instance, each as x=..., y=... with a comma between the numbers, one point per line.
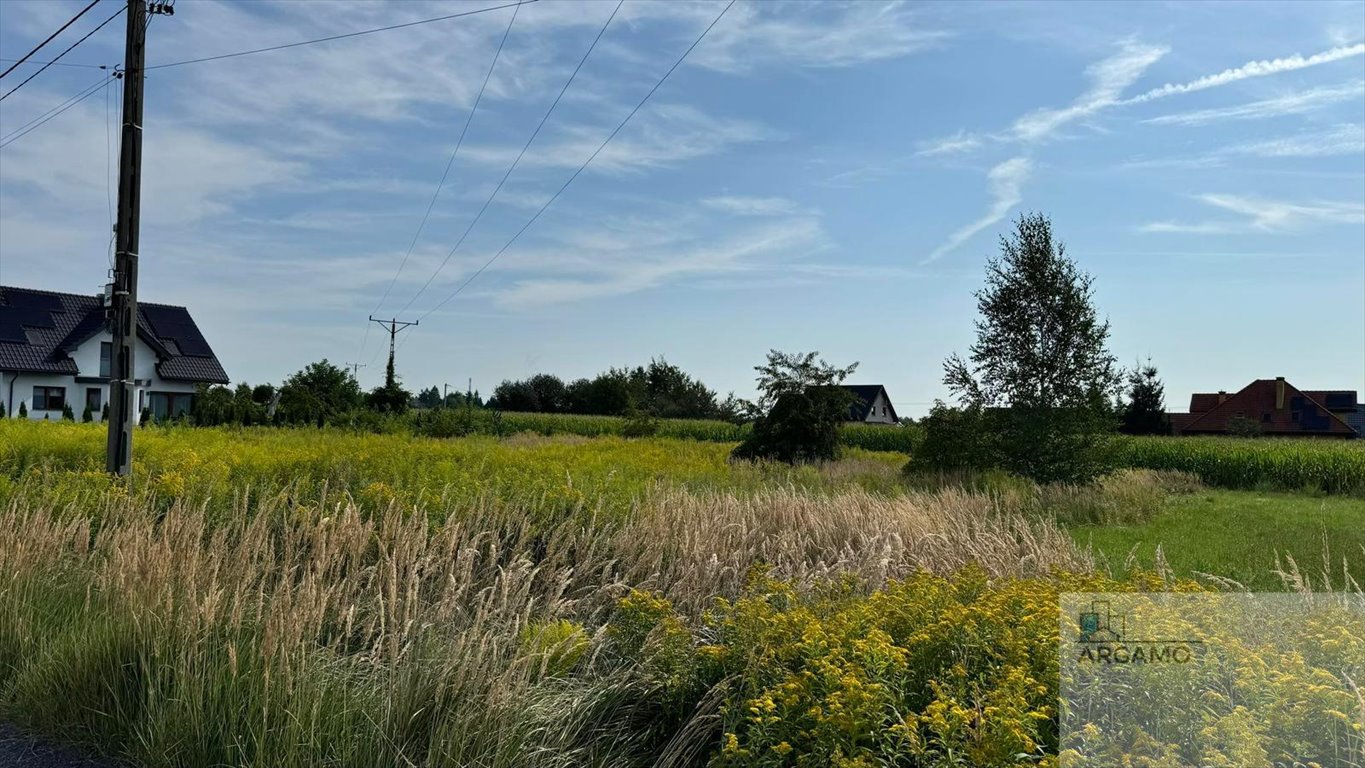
x=1113, y=75
x=752, y=206
x=1191, y=228
x=1252, y=69
x=659, y=136
x=621, y=263
x=948, y=145
x=1347, y=139
x=1294, y=103
x=1262, y=215
x=1109, y=78
x=1006, y=183
x=811, y=35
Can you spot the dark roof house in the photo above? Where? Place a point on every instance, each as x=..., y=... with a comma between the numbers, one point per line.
x=40, y=329
x=871, y=404
x=1276, y=407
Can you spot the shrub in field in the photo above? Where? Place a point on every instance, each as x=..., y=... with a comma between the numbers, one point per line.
x=801, y=427
x=452, y=422
x=1241, y=426
x=317, y=393
x=955, y=440
x=640, y=424
x=800, y=409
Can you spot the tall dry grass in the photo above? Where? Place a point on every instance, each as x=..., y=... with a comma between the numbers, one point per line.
x=283, y=634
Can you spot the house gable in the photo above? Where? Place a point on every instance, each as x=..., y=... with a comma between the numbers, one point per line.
x=1278, y=407
x=871, y=404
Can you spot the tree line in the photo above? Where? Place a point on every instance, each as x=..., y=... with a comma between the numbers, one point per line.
x=324, y=393
x=661, y=390
x=1039, y=394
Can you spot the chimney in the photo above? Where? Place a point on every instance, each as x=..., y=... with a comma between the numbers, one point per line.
x=1279, y=393
x=1222, y=397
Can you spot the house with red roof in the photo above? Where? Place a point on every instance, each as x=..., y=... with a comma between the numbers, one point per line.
x=1275, y=407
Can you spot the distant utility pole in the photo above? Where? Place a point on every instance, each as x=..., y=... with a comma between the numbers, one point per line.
x=123, y=291
x=355, y=369
x=393, y=327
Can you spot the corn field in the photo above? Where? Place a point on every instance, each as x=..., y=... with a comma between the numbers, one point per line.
x=1330, y=466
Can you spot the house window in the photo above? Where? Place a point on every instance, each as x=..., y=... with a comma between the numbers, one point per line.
x=93, y=398
x=49, y=398
x=170, y=405
x=106, y=358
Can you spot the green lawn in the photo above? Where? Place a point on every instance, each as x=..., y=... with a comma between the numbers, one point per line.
x=1236, y=534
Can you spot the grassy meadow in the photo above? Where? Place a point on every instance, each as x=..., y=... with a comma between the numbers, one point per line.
x=267, y=597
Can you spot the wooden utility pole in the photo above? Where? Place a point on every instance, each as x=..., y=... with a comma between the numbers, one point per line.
x=123, y=292
x=355, y=369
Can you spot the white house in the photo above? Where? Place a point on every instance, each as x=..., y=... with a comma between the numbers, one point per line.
x=871, y=404
x=55, y=351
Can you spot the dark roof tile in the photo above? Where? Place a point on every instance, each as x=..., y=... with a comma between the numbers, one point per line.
x=52, y=324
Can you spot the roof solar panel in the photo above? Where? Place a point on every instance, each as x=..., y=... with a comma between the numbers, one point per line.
x=10, y=328
x=174, y=323
x=1335, y=400
x=33, y=317
x=35, y=301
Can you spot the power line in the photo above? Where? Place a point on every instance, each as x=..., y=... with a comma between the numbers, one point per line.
x=63, y=53
x=65, y=64
x=451, y=161
x=585, y=164
x=521, y=154
x=422, y=225
x=330, y=38
x=49, y=38
x=12, y=136
x=41, y=120
x=339, y=37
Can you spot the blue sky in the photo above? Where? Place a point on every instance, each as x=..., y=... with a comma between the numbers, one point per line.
x=827, y=177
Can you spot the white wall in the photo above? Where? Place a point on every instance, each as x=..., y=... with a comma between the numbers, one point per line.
x=875, y=415
x=87, y=358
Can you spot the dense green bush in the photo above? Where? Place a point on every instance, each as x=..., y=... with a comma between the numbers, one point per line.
x=1045, y=445
x=801, y=427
